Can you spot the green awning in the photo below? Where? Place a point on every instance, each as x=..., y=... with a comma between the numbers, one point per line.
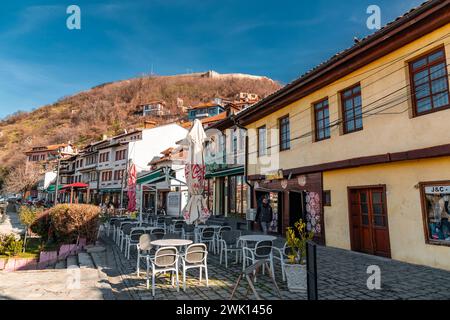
x=154, y=177
x=236, y=171
x=51, y=188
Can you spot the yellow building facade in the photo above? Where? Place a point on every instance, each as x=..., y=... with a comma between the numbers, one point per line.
x=380, y=173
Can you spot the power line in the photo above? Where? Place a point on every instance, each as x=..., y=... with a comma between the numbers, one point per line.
x=387, y=64
x=292, y=116
x=398, y=100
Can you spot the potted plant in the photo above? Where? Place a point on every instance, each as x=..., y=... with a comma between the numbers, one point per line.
x=295, y=267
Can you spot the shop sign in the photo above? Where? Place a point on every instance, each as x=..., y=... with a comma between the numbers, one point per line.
x=277, y=175
x=173, y=203
x=301, y=181
x=437, y=189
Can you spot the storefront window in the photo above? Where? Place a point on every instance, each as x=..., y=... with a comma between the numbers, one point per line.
x=436, y=199
x=273, y=198
x=209, y=192
x=233, y=190
x=238, y=196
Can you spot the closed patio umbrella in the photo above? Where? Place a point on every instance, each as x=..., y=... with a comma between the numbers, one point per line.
x=132, y=188
x=196, y=209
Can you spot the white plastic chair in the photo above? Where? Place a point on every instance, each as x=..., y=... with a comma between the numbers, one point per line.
x=196, y=256
x=229, y=242
x=263, y=251
x=132, y=240
x=144, y=251
x=207, y=236
x=165, y=260
x=218, y=235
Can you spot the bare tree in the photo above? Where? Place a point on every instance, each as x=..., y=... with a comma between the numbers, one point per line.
x=22, y=178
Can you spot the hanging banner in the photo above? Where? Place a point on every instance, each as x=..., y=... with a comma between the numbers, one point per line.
x=132, y=177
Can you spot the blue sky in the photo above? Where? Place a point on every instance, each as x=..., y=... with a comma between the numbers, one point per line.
x=41, y=60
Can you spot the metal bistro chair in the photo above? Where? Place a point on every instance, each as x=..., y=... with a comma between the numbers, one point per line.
x=133, y=240
x=207, y=236
x=145, y=225
x=120, y=232
x=160, y=222
x=177, y=227
x=165, y=260
x=157, y=234
x=218, y=235
x=116, y=225
x=196, y=256
x=124, y=233
x=263, y=251
x=145, y=250
x=188, y=231
x=168, y=221
x=282, y=256
x=110, y=225
x=229, y=242
x=117, y=228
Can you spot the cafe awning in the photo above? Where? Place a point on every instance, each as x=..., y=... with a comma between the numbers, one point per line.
x=75, y=185
x=235, y=171
x=51, y=188
x=154, y=177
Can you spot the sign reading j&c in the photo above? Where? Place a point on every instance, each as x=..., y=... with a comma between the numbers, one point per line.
x=437, y=189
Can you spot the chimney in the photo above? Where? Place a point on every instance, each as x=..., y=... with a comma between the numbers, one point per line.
x=149, y=124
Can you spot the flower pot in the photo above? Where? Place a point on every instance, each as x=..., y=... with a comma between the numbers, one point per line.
x=296, y=276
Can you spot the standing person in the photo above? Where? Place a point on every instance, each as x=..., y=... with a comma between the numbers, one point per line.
x=264, y=215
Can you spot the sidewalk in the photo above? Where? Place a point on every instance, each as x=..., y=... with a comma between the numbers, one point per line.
x=11, y=223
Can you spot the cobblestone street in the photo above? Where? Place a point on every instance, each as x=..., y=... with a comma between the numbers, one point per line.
x=342, y=276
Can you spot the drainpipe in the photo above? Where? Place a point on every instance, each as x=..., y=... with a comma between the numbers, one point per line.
x=246, y=151
x=249, y=224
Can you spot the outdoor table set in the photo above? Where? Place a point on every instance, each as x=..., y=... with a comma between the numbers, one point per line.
x=164, y=244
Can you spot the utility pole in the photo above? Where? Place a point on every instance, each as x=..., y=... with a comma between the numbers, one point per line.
x=58, y=164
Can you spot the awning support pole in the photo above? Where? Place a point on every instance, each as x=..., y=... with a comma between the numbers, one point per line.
x=141, y=202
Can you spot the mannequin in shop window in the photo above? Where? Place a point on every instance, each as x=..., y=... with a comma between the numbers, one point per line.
x=264, y=215
x=445, y=218
x=438, y=215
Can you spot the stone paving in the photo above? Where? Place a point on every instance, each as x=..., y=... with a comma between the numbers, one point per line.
x=342, y=275
x=11, y=223
x=54, y=285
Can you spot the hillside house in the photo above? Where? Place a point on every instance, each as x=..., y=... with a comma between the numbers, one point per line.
x=154, y=108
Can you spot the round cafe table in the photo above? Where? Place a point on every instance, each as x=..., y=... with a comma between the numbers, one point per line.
x=171, y=242
x=257, y=238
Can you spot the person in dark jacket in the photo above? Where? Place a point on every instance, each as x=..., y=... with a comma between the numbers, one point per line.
x=264, y=215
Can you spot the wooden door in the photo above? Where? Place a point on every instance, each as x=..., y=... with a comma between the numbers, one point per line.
x=369, y=221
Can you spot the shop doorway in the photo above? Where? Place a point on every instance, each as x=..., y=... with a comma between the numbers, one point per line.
x=368, y=221
x=276, y=204
x=297, y=207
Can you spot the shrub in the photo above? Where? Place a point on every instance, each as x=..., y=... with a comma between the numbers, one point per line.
x=10, y=245
x=28, y=215
x=70, y=221
x=297, y=239
x=42, y=226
